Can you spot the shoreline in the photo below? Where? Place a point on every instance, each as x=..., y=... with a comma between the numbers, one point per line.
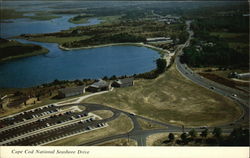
x=141, y=44
x=34, y=53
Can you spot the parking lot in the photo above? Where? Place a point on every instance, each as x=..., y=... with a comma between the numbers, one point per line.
x=49, y=123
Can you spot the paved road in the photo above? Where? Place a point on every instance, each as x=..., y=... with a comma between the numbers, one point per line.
x=140, y=135
x=241, y=98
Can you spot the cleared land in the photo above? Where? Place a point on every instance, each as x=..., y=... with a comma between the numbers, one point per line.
x=119, y=142
x=171, y=98
x=122, y=124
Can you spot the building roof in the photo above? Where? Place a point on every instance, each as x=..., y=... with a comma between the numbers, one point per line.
x=244, y=75
x=71, y=89
x=158, y=38
x=100, y=84
x=125, y=80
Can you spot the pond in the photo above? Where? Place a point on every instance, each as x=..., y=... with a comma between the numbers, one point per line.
x=69, y=65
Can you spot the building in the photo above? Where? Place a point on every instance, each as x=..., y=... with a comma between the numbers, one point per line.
x=126, y=82
x=72, y=91
x=239, y=76
x=160, y=39
x=244, y=76
x=100, y=85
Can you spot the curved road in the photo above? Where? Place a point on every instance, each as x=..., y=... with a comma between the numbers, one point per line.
x=140, y=135
x=237, y=96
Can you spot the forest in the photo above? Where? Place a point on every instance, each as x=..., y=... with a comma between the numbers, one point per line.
x=220, y=40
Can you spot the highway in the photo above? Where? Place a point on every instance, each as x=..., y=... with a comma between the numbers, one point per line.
x=241, y=98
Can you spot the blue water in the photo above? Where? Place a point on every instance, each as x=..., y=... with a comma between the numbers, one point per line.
x=26, y=26
x=69, y=65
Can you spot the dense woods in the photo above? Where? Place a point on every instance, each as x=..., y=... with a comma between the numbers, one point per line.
x=219, y=41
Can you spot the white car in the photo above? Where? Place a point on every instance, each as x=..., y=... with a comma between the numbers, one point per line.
x=234, y=95
x=133, y=114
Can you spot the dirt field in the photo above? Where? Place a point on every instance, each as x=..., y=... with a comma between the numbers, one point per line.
x=171, y=98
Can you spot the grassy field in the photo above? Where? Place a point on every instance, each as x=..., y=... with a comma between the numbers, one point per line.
x=119, y=142
x=171, y=98
x=122, y=124
x=148, y=125
x=103, y=113
x=156, y=139
x=222, y=73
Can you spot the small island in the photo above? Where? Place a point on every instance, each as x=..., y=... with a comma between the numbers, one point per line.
x=11, y=49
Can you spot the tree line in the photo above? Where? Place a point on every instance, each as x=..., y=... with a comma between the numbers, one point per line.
x=237, y=137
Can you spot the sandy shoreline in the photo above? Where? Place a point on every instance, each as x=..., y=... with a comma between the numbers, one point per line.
x=115, y=44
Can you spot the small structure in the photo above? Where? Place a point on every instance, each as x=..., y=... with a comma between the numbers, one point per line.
x=100, y=85
x=126, y=82
x=244, y=76
x=158, y=39
x=239, y=76
x=72, y=91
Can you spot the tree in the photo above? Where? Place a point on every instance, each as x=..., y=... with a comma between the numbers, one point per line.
x=204, y=133
x=192, y=133
x=113, y=77
x=105, y=78
x=184, y=138
x=239, y=137
x=217, y=132
x=161, y=65
x=171, y=137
